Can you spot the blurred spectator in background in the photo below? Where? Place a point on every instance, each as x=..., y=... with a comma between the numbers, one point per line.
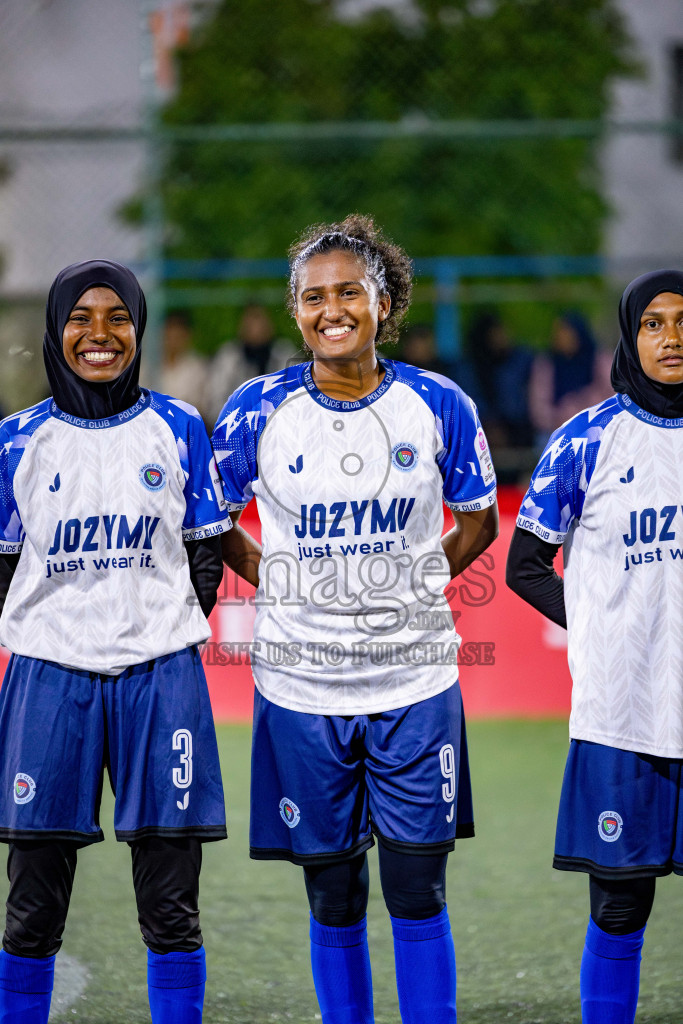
x=574, y=375
x=256, y=350
x=418, y=348
x=497, y=378
x=183, y=373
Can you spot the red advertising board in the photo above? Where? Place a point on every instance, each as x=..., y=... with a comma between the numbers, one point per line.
x=512, y=660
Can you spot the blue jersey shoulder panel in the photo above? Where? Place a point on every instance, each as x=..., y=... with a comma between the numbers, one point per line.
x=561, y=479
x=16, y=432
x=463, y=458
x=205, y=506
x=239, y=427
x=182, y=418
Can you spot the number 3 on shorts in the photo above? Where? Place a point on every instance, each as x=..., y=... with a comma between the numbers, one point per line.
x=182, y=776
x=447, y=762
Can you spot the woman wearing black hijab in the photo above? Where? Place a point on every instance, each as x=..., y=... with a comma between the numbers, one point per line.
x=109, y=563
x=608, y=489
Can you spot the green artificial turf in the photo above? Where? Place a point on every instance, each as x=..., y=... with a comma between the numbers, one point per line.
x=518, y=925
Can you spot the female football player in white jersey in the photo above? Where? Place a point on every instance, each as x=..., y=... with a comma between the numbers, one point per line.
x=358, y=725
x=110, y=561
x=608, y=488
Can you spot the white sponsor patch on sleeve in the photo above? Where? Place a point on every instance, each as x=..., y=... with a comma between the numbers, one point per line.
x=484, y=455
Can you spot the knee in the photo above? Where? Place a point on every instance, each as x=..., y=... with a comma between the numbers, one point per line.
x=41, y=878
x=166, y=881
x=413, y=885
x=621, y=906
x=35, y=932
x=338, y=893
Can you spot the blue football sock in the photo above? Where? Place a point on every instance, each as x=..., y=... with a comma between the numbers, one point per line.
x=425, y=969
x=341, y=973
x=25, y=988
x=175, y=984
x=610, y=976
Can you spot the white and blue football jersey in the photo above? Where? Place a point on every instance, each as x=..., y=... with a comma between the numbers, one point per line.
x=99, y=510
x=609, y=487
x=351, y=616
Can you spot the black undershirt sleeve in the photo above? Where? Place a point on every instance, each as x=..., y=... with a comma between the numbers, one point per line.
x=8, y=565
x=206, y=569
x=531, y=575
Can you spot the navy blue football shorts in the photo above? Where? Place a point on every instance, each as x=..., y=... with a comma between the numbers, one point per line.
x=151, y=726
x=322, y=784
x=621, y=813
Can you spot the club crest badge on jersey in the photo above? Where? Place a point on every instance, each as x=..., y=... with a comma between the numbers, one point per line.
x=24, y=788
x=610, y=825
x=404, y=456
x=289, y=812
x=153, y=476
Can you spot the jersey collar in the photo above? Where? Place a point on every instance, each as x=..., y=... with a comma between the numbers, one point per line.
x=647, y=417
x=110, y=421
x=338, y=405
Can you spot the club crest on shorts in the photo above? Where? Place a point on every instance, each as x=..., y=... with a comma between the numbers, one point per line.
x=610, y=825
x=24, y=788
x=404, y=456
x=289, y=812
x=153, y=476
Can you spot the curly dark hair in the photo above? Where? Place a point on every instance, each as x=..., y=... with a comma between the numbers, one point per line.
x=387, y=264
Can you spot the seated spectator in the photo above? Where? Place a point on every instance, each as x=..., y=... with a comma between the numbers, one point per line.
x=575, y=374
x=497, y=378
x=183, y=372
x=256, y=350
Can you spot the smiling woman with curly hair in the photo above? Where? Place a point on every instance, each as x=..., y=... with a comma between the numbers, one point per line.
x=358, y=723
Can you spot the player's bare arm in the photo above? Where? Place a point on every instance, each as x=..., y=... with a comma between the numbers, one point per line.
x=472, y=534
x=241, y=552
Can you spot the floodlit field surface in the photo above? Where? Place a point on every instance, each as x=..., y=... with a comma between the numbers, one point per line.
x=518, y=925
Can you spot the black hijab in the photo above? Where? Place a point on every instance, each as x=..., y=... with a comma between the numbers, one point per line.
x=73, y=394
x=665, y=400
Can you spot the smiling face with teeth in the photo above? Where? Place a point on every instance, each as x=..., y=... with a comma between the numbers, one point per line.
x=99, y=336
x=338, y=308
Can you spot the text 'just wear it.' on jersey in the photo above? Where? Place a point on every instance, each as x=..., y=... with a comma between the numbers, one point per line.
x=99, y=510
x=609, y=487
x=351, y=616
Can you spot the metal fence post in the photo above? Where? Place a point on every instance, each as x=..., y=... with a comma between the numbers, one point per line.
x=447, y=313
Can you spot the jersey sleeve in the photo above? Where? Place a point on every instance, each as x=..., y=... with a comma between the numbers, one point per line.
x=11, y=528
x=469, y=479
x=206, y=509
x=235, y=443
x=558, y=487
